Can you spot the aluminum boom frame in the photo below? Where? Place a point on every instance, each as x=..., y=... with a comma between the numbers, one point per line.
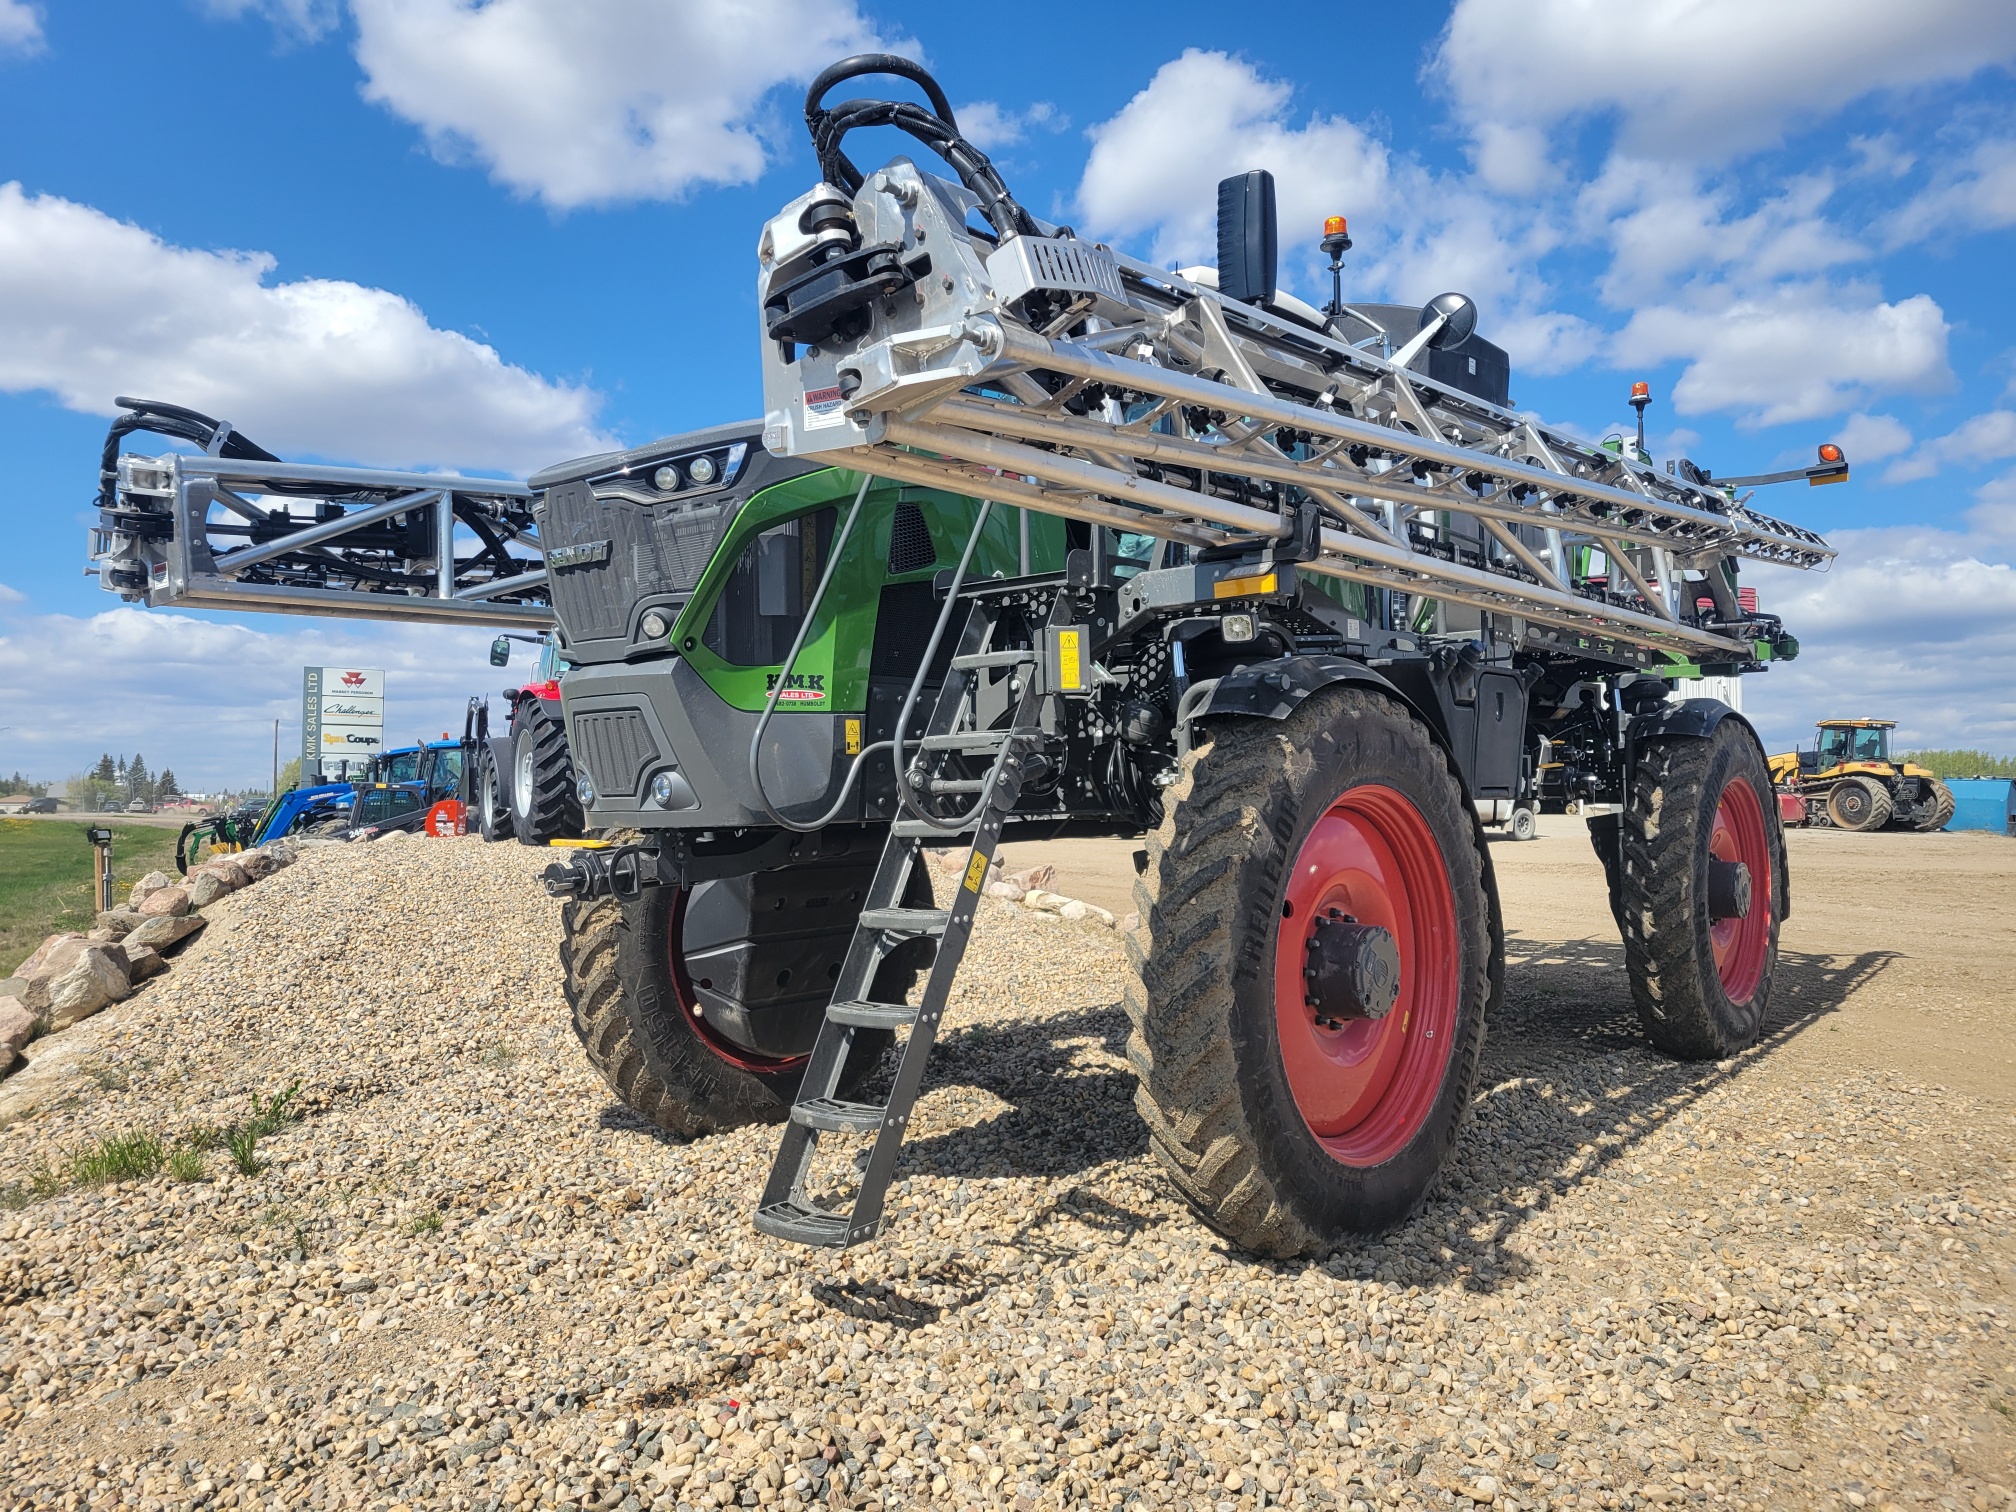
x=1058, y=375
x=209, y=532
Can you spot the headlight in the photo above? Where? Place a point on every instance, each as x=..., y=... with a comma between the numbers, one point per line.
x=1236, y=627
x=667, y=478
x=661, y=789
x=656, y=626
x=584, y=790
x=703, y=470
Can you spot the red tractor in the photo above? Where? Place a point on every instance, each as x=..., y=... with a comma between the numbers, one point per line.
x=522, y=780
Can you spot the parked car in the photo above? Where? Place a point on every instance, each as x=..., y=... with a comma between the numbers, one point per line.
x=41, y=806
x=114, y=807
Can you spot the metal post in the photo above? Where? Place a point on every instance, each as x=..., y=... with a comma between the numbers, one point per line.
x=101, y=863
x=1022, y=525
x=445, y=572
x=274, y=790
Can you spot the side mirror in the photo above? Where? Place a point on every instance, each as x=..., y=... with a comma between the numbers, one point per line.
x=500, y=651
x=1247, y=250
x=1459, y=325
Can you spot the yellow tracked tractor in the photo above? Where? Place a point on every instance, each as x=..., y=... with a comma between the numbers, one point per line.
x=1849, y=781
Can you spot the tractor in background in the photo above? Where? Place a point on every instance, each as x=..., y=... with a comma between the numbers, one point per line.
x=1848, y=780
x=522, y=782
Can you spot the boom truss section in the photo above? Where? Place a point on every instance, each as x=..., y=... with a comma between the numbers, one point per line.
x=252, y=533
x=1059, y=375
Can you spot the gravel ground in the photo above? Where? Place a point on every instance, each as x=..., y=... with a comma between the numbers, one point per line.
x=465, y=1278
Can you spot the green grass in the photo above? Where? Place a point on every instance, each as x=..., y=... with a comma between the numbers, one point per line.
x=428, y=1222
x=1964, y=763
x=123, y=1157
x=45, y=877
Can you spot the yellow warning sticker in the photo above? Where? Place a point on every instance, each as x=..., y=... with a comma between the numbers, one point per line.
x=853, y=731
x=976, y=872
x=1070, y=667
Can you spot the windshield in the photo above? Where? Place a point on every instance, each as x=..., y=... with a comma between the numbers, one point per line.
x=550, y=663
x=402, y=766
x=1840, y=744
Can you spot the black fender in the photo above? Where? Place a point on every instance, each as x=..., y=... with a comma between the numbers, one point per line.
x=1697, y=719
x=1275, y=689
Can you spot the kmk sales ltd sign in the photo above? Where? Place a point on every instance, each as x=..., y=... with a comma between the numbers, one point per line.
x=342, y=716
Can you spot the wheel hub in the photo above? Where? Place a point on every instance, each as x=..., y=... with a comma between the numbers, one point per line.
x=1728, y=890
x=1353, y=970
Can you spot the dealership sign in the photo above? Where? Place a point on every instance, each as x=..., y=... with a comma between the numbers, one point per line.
x=342, y=716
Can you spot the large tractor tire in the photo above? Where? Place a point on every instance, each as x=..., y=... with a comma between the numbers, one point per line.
x=660, y=989
x=1296, y=1110
x=1936, y=811
x=1858, y=803
x=544, y=805
x=1703, y=887
x=493, y=802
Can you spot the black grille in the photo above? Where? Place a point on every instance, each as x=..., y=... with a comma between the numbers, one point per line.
x=632, y=553
x=910, y=548
x=617, y=749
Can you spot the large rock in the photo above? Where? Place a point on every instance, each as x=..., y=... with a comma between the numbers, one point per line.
x=164, y=930
x=33, y=965
x=147, y=886
x=168, y=902
x=226, y=869
x=206, y=888
x=280, y=852
x=256, y=864
x=17, y=1027
x=142, y=962
x=40, y=971
x=121, y=921
x=96, y=980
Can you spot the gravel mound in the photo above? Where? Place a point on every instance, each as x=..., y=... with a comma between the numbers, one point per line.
x=465, y=1278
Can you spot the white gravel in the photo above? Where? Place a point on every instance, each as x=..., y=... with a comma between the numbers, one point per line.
x=467, y=1279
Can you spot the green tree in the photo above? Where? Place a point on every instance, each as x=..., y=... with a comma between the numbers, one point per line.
x=165, y=786
x=103, y=772
x=139, y=786
x=290, y=774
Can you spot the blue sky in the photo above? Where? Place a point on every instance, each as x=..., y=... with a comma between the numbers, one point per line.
x=437, y=233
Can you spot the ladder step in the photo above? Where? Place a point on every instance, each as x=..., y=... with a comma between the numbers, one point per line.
x=966, y=740
x=872, y=1015
x=917, y=829
x=906, y=921
x=838, y=1117
x=980, y=659
x=809, y=1225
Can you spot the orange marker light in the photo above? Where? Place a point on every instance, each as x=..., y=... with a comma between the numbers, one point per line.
x=1641, y=391
x=1829, y=452
x=1333, y=225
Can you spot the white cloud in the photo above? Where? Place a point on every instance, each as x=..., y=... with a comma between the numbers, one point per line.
x=1795, y=352
x=1976, y=194
x=1908, y=626
x=200, y=695
x=1995, y=515
x=307, y=20
x=593, y=104
x=1985, y=438
x=990, y=127
x=1695, y=80
x=1155, y=166
x=1871, y=438
x=91, y=307
x=12, y=595
x=20, y=27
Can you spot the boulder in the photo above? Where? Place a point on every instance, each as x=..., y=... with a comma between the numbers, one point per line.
x=147, y=886
x=142, y=962
x=121, y=921
x=169, y=902
x=41, y=970
x=101, y=936
x=1048, y=902
x=255, y=864
x=280, y=852
x=1033, y=878
x=33, y=965
x=1076, y=909
x=227, y=870
x=206, y=888
x=96, y=980
x=397, y=835
x=161, y=932
x=17, y=1027
x=1012, y=891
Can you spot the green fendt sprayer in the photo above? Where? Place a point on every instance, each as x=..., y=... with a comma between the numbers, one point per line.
x=1035, y=538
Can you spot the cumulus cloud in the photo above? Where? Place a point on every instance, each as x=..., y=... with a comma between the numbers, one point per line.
x=1870, y=438
x=1994, y=515
x=92, y=307
x=1906, y=627
x=1155, y=166
x=201, y=695
x=593, y=104
x=1978, y=193
x=990, y=127
x=1795, y=352
x=1985, y=438
x=20, y=27
x=307, y=20
x=1694, y=80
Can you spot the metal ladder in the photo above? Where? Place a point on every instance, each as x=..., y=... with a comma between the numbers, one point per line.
x=786, y=1210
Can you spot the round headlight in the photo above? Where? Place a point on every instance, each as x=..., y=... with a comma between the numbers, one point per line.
x=584, y=790
x=656, y=626
x=661, y=789
x=666, y=478
x=703, y=470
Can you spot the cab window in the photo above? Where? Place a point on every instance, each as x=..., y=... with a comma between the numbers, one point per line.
x=1871, y=745
x=551, y=663
x=402, y=767
x=763, y=601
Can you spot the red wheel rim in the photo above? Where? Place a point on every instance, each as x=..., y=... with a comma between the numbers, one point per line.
x=689, y=1005
x=1740, y=945
x=1364, y=1090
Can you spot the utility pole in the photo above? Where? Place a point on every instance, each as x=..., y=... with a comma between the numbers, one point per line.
x=274, y=790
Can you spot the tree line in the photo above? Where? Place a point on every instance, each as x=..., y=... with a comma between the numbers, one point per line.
x=117, y=780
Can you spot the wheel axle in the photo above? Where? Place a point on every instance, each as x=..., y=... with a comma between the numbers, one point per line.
x=1728, y=890
x=1353, y=970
